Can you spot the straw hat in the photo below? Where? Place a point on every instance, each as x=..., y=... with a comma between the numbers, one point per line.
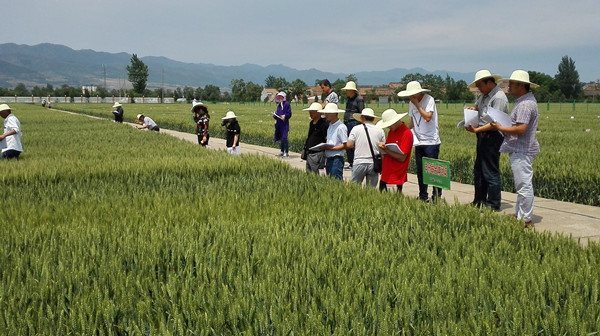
x=412, y=88
x=350, y=86
x=117, y=104
x=522, y=77
x=389, y=117
x=313, y=107
x=198, y=104
x=331, y=108
x=367, y=112
x=229, y=115
x=481, y=74
x=140, y=115
x=5, y=107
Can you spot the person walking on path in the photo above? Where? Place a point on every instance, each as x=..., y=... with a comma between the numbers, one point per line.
x=118, y=112
x=146, y=123
x=10, y=139
x=202, y=120
x=424, y=123
x=486, y=171
x=337, y=136
x=331, y=97
x=282, y=123
x=234, y=131
x=354, y=105
x=317, y=134
x=365, y=140
x=521, y=143
x=395, y=163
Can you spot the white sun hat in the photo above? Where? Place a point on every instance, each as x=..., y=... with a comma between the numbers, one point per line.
x=389, y=117
x=140, y=115
x=412, y=88
x=481, y=74
x=331, y=108
x=229, y=115
x=521, y=76
x=350, y=86
x=4, y=107
x=313, y=107
x=367, y=112
x=117, y=104
x=280, y=94
x=198, y=104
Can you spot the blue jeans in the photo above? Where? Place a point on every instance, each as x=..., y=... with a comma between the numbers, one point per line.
x=350, y=151
x=432, y=152
x=335, y=167
x=10, y=154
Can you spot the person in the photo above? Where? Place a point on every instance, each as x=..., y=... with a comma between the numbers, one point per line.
x=233, y=133
x=354, y=105
x=486, y=171
x=366, y=145
x=424, y=123
x=331, y=97
x=43, y=102
x=118, y=112
x=317, y=134
x=146, y=123
x=282, y=123
x=337, y=136
x=10, y=139
x=202, y=119
x=521, y=143
x=395, y=165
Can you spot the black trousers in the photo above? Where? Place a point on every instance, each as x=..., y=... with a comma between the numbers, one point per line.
x=486, y=171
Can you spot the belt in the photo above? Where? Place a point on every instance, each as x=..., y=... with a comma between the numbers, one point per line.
x=334, y=157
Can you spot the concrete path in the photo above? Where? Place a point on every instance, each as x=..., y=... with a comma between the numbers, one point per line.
x=582, y=222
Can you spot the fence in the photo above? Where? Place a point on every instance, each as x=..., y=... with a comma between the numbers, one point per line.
x=86, y=100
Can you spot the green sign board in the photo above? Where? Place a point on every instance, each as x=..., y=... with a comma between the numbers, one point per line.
x=436, y=173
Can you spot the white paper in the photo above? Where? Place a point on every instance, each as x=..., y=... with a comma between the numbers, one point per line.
x=393, y=147
x=276, y=115
x=494, y=115
x=318, y=147
x=471, y=118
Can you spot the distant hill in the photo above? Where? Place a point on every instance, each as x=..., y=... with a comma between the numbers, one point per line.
x=57, y=65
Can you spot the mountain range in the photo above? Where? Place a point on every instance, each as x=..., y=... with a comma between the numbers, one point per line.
x=58, y=64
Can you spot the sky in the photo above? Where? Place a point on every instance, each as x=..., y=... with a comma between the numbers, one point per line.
x=334, y=36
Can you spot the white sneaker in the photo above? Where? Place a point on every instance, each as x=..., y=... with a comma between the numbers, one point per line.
x=286, y=155
x=280, y=154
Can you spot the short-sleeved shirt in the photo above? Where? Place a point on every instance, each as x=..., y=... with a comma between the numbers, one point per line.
x=394, y=171
x=362, y=153
x=427, y=132
x=337, y=134
x=354, y=105
x=12, y=142
x=496, y=99
x=525, y=111
x=233, y=128
x=149, y=122
x=332, y=97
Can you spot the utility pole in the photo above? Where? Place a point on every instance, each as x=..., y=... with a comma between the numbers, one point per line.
x=162, y=91
x=104, y=68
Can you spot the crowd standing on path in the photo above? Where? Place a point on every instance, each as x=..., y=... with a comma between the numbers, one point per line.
x=10, y=139
x=282, y=123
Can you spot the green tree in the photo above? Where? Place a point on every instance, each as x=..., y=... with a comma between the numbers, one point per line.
x=298, y=89
x=548, y=90
x=188, y=93
x=21, y=90
x=238, y=90
x=568, y=79
x=211, y=93
x=253, y=91
x=137, y=74
x=352, y=77
x=280, y=83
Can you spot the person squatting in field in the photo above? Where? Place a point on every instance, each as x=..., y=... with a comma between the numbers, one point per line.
x=202, y=119
x=118, y=112
x=146, y=123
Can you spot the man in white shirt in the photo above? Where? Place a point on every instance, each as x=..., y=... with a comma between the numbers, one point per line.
x=363, y=155
x=10, y=139
x=337, y=136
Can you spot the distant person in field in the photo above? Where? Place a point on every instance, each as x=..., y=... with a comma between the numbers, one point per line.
x=118, y=112
x=233, y=133
x=317, y=133
x=282, y=123
x=10, y=140
x=331, y=96
x=146, y=123
x=354, y=105
x=521, y=143
x=395, y=165
x=486, y=171
x=337, y=137
x=424, y=123
x=43, y=102
x=365, y=139
x=202, y=120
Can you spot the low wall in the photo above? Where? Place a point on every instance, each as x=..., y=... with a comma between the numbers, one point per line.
x=84, y=100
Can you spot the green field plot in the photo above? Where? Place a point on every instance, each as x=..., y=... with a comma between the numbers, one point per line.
x=566, y=168
x=106, y=230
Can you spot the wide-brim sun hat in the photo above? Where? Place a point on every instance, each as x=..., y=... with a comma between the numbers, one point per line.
x=140, y=115
x=521, y=76
x=350, y=86
x=117, y=104
x=198, y=104
x=367, y=112
x=229, y=115
x=412, y=88
x=389, y=117
x=331, y=108
x=481, y=74
x=5, y=107
x=313, y=107
x=280, y=94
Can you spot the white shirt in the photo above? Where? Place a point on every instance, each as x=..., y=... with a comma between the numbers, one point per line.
x=149, y=122
x=337, y=134
x=12, y=142
x=427, y=132
x=362, y=153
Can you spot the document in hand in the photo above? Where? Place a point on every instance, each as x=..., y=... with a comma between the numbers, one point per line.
x=275, y=114
x=318, y=147
x=497, y=116
x=471, y=118
x=393, y=147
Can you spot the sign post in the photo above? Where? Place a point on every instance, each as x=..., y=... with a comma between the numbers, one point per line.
x=436, y=173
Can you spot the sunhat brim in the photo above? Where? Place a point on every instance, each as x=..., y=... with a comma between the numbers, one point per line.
x=532, y=85
x=5, y=107
x=358, y=115
x=313, y=109
x=409, y=93
x=198, y=105
x=496, y=78
x=230, y=117
x=388, y=123
x=331, y=110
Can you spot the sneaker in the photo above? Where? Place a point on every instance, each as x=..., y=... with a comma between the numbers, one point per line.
x=280, y=154
x=286, y=155
x=529, y=224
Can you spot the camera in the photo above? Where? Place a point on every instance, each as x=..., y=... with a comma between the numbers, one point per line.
x=224, y=122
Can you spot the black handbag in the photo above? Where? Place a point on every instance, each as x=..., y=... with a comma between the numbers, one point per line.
x=304, y=154
x=377, y=160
